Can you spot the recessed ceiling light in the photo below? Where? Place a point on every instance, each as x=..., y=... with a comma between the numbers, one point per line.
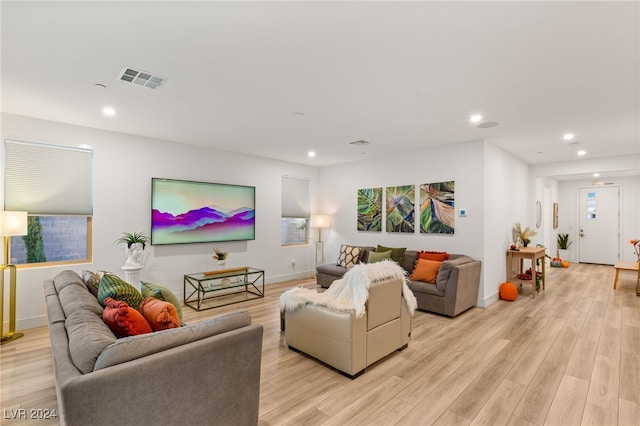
x=108, y=111
x=581, y=152
x=568, y=136
x=596, y=175
x=311, y=154
x=476, y=118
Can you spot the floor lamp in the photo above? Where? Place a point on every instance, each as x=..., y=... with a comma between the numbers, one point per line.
x=320, y=221
x=12, y=224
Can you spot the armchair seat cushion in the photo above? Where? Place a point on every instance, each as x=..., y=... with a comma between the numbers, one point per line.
x=427, y=288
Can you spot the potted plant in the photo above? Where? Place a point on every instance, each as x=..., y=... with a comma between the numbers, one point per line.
x=133, y=238
x=220, y=256
x=136, y=243
x=563, y=245
x=523, y=234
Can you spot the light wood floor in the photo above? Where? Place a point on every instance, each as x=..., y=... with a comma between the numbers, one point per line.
x=569, y=357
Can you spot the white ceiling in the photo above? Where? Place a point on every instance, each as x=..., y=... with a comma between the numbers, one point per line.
x=403, y=76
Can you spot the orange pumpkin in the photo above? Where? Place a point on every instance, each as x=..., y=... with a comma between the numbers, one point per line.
x=565, y=264
x=508, y=291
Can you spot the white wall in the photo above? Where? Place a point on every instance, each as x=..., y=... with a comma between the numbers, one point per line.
x=506, y=202
x=461, y=163
x=546, y=191
x=123, y=167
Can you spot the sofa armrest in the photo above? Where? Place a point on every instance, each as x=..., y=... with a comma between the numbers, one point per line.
x=215, y=380
x=461, y=291
x=335, y=338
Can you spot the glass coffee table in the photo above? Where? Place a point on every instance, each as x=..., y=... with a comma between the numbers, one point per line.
x=212, y=289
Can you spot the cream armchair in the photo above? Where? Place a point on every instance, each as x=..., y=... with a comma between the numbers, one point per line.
x=349, y=342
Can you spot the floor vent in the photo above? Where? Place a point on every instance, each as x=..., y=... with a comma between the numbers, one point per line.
x=141, y=78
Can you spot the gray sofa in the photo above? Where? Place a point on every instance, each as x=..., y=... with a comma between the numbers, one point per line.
x=205, y=373
x=455, y=291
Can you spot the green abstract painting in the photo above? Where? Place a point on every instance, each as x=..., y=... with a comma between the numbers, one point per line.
x=370, y=209
x=400, y=208
x=437, y=208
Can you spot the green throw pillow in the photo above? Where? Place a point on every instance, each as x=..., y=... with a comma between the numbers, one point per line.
x=396, y=253
x=161, y=293
x=375, y=256
x=118, y=289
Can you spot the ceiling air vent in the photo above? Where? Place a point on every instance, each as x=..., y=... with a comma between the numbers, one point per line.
x=141, y=78
x=359, y=143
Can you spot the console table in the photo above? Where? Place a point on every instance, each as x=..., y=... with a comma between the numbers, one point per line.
x=532, y=254
x=222, y=287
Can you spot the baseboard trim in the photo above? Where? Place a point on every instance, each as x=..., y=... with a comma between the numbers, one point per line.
x=489, y=300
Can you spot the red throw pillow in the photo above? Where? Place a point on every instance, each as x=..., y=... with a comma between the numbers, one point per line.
x=160, y=314
x=440, y=256
x=123, y=320
x=426, y=270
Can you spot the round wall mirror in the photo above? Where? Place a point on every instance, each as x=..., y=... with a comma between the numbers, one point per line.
x=538, y=214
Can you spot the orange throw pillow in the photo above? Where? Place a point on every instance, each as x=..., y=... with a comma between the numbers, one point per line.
x=426, y=270
x=440, y=256
x=160, y=314
x=123, y=320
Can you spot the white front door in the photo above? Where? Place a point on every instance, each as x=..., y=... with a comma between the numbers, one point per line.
x=599, y=227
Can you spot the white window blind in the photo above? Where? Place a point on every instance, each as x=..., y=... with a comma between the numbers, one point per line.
x=295, y=197
x=47, y=179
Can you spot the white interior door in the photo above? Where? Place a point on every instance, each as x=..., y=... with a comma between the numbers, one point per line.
x=599, y=224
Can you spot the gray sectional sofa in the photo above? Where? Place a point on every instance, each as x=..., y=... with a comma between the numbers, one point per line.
x=455, y=291
x=204, y=373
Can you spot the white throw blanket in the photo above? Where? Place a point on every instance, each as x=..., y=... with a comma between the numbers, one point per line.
x=350, y=292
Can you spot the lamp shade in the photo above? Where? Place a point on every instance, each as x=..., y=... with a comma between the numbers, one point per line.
x=320, y=221
x=13, y=224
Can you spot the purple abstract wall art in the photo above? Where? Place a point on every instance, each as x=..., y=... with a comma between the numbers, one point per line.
x=198, y=212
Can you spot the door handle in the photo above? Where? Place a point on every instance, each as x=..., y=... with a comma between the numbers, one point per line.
x=582, y=233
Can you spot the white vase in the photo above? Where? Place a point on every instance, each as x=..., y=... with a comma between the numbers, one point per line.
x=222, y=263
x=134, y=255
x=563, y=253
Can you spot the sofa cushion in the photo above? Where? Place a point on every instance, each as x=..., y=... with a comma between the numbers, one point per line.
x=161, y=293
x=440, y=256
x=75, y=297
x=425, y=287
x=116, y=288
x=396, y=252
x=88, y=336
x=123, y=320
x=349, y=256
x=92, y=281
x=67, y=278
x=130, y=348
x=375, y=256
x=331, y=269
x=426, y=270
x=159, y=314
x=409, y=260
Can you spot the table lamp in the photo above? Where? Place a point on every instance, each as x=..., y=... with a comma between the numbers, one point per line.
x=12, y=224
x=320, y=221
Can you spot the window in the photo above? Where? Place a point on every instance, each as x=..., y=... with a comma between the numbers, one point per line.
x=295, y=211
x=54, y=185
